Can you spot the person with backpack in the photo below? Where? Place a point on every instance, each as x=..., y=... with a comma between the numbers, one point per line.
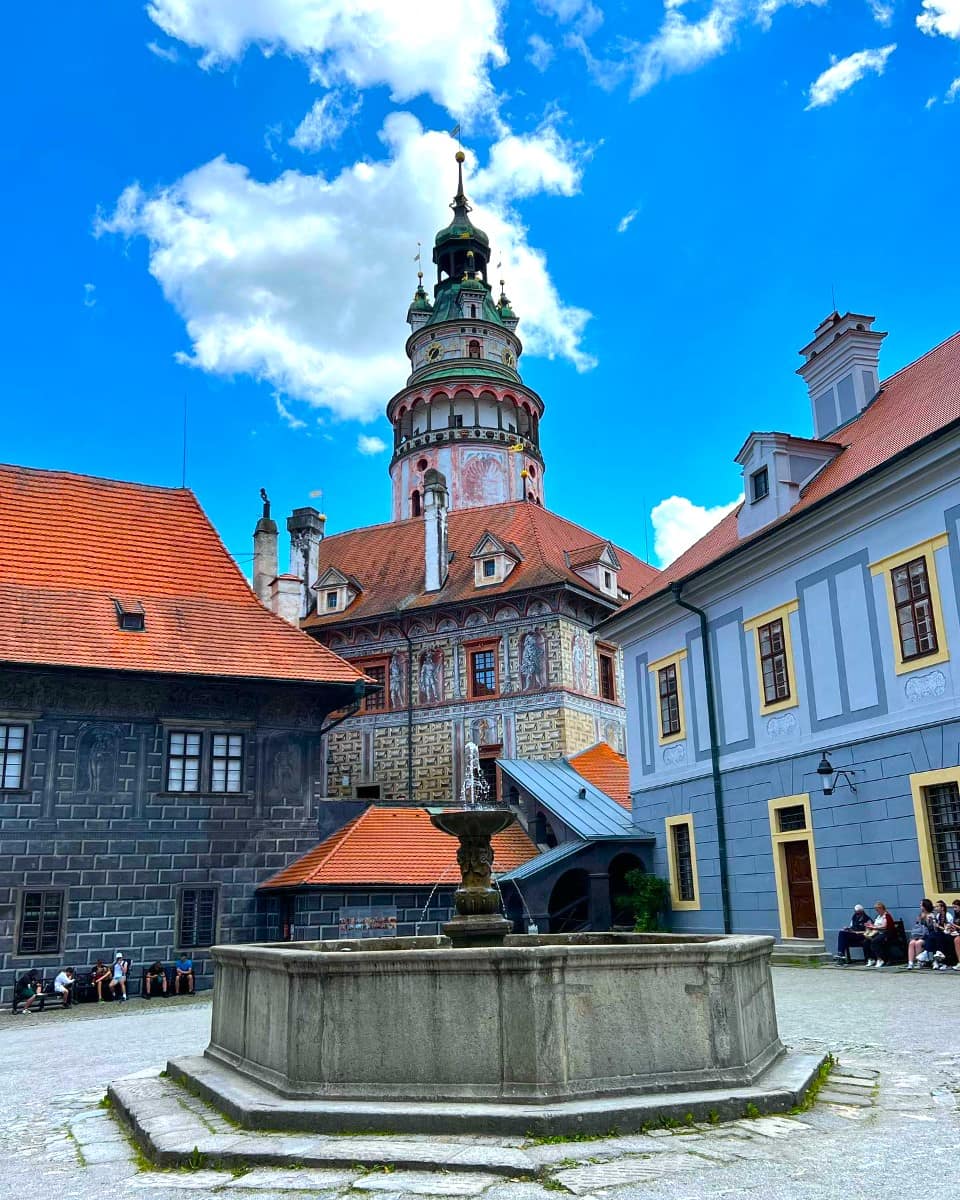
x=28, y=988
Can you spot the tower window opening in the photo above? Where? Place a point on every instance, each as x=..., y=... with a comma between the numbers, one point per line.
x=457, y=421
x=422, y=464
x=415, y=503
x=473, y=313
x=473, y=350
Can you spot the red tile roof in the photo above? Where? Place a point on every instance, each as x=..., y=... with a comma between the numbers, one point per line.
x=388, y=560
x=395, y=846
x=917, y=401
x=602, y=766
x=73, y=544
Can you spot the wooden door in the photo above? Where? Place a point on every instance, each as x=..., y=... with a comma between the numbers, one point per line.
x=803, y=907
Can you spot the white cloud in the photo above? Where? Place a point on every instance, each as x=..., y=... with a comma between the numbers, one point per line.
x=681, y=45
x=845, y=72
x=953, y=91
x=625, y=221
x=940, y=17
x=584, y=16
x=767, y=9
x=370, y=445
x=541, y=52
x=931, y=101
x=285, y=414
x=445, y=48
x=89, y=295
x=326, y=121
x=678, y=523
x=167, y=53
x=304, y=281
x=882, y=11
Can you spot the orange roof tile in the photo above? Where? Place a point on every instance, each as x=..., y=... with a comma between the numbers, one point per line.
x=388, y=559
x=919, y=400
x=602, y=766
x=74, y=543
x=395, y=846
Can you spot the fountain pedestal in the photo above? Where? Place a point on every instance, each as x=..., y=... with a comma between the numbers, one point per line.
x=479, y=920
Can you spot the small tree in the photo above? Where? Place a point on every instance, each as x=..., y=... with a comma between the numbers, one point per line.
x=646, y=899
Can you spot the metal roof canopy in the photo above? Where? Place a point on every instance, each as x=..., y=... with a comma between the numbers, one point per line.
x=587, y=811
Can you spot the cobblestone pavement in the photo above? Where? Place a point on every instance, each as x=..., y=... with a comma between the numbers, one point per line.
x=885, y=1127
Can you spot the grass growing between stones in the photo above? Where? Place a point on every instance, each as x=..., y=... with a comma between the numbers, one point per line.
x=560, y=1139
x=78, y=1149
x=823, y=1074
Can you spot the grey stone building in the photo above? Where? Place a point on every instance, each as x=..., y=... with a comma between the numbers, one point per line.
x=160, y=731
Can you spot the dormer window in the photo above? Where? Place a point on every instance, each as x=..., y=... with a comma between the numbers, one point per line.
x=607, y=581
x=493, y=560
x=335, y=591
x=331, y=600
x=489, y=568
x=759, y=485
x=130, y=616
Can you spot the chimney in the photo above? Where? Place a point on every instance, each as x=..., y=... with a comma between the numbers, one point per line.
x=841, y=370
x=305, y=526
x=264, y=553
x=285, y=598
x=435, y=529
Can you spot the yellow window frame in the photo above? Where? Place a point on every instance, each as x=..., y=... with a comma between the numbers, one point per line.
x=884, y=567
x=928, y=861
x=678, y=905
x=675, y=660
x=778, y=840
x=783, y=612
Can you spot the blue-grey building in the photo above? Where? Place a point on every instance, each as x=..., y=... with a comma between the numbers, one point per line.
x=816, y=626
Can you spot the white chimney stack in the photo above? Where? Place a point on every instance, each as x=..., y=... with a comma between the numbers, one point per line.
x=437, y=558
x=841, y=370
x=305, y=526
x=264, y=553
x=285, y=598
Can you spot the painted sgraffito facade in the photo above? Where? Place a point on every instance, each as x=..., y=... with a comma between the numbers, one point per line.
x=832, y=626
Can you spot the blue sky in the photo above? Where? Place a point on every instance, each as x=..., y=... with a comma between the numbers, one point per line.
x=217, y=202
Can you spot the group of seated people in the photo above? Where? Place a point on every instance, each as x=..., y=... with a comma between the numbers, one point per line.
x=103, y=982
x=933, y=940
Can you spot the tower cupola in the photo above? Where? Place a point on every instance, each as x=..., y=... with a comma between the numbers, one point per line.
x=460, y=247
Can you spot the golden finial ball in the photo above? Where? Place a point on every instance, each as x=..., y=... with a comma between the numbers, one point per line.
x=460, y=156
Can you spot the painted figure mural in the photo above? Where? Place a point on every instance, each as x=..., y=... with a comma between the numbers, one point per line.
x=431, y=676
x=398, y=680
x=578, y=655
x=484, y=479
x=533, y=661
x=97, y=761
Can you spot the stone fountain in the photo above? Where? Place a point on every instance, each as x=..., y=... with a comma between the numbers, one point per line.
x=481, y=1030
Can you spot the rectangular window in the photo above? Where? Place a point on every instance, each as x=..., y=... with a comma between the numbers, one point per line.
x=669, y=693
x=914, y=608
x=197, y=924
x=792, y=818
x=683, y=862
x=13, y=747
x=606, y=675
x=774, y=671
x=331, y=599
x=457, y=421
x=942, y=802
x=759, y=485
x=41, y=923
x=376, y=701
x=483, y=672
x=226, y=767
x=488, y=768
x=681, y=850
x=489, y=568
x=183, y=762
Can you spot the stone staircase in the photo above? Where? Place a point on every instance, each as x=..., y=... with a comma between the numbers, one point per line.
x=800, y=952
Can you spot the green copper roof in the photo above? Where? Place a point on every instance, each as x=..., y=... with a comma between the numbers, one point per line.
x=420, y=301
x=447, y=304
x=465, y=368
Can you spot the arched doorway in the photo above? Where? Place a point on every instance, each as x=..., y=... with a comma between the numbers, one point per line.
x=617, y=872
x=569, y=907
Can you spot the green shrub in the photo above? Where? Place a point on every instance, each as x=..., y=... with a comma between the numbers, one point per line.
x=646, y=901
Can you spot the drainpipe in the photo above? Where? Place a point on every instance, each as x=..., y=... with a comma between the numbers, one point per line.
x=714, y=751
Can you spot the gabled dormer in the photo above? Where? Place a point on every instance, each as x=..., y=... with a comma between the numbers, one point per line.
x=493, y=560
x=335, y=591
x=597, y=564
x=776, y=468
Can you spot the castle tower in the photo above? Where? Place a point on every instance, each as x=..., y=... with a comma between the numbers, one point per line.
x=464, y=411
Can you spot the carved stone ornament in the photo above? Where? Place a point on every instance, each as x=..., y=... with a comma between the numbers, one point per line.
x=925, y=687
x=783, y=725
x=673, y=755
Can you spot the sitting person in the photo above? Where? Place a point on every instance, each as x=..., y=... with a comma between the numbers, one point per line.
x=183, y=978
x=878, y=933
x=118, y=976
x=98, y=977
x=853, y=934
x=917, y=953
x=29, y=988
x=63, y=986
x=940, y=943
x=155, y=975
x=953, y=930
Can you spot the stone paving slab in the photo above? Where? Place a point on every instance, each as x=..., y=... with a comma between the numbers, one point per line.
x=598, y=1176
x=163, y=1181
x=413, y=1183
x=309, y=1179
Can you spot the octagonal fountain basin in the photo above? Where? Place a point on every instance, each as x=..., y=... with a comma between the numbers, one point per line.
x=538, y=1020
